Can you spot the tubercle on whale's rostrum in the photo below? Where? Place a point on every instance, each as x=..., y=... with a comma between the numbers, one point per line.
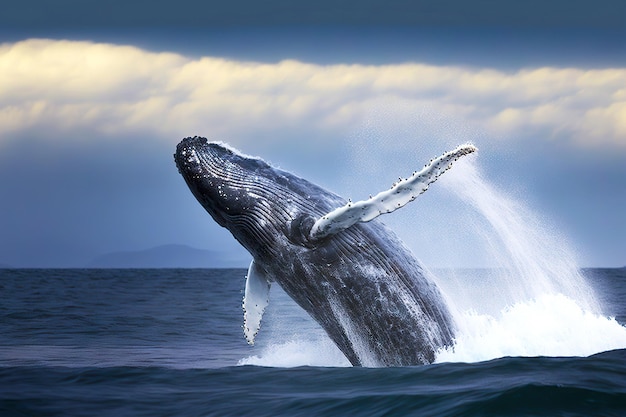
x=401, y=193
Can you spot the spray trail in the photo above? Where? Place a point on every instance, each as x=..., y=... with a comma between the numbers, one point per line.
x=534, y=259
x=544, y=306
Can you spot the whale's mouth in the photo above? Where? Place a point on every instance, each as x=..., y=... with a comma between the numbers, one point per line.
x=235, y=189
x=203, y=165
x=223, y=180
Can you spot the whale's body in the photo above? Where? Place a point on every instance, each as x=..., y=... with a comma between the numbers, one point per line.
x=360, y=283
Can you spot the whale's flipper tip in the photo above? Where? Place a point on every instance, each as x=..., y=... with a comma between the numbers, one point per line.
x=465, y=149
x=401, y=193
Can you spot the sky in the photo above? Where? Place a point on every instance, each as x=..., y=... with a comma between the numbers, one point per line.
x=94, y=97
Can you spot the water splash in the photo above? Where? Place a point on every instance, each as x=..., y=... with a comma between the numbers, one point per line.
x=536, y=302
x=290, y=337
x=550, y=325
x=298, y=351
x=534, y=259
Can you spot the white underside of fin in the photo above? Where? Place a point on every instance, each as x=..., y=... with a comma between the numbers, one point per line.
x=255, y=300
x=401, y=193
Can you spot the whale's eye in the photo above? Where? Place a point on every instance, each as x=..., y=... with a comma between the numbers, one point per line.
x=299, y=230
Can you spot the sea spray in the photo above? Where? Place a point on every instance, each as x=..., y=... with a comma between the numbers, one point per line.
x=535, y=302
x=532, y=258
x=291, y=338
x=299, y=351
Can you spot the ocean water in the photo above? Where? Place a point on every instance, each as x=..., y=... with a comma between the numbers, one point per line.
x=535, y=335
x=105, y=342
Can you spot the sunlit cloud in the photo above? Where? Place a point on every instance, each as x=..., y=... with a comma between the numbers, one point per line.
x=51, y=87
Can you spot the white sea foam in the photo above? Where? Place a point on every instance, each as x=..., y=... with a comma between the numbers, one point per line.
x=289, y=337
x=551, y=325
x=298, y=352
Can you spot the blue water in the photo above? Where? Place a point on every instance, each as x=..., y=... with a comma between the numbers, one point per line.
x=170, y=343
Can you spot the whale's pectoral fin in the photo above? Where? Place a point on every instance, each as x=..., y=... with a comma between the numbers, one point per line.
x=255, y=300
x=401, y=193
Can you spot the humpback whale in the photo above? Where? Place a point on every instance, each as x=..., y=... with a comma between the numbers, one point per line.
x=350, y=272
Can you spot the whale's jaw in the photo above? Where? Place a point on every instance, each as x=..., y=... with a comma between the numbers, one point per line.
x=200, y=167
x=228, y=185
x=258, y=204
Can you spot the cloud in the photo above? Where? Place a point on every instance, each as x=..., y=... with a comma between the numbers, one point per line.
x=52, y=88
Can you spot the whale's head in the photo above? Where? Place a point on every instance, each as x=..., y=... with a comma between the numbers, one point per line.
x=257, y=203
x=218, y=176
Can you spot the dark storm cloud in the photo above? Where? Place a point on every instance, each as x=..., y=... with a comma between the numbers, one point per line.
x=111, y=90
x=90, y=14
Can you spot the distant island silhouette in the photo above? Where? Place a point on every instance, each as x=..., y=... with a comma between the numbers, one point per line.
x=168, y=256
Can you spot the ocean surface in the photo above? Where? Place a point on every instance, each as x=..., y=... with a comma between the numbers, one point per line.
x=169, y=342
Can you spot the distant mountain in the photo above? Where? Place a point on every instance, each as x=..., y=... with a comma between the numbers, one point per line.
x=169, y=256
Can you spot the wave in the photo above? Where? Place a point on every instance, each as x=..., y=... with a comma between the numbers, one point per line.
x=551, y=325
x=507, y=386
